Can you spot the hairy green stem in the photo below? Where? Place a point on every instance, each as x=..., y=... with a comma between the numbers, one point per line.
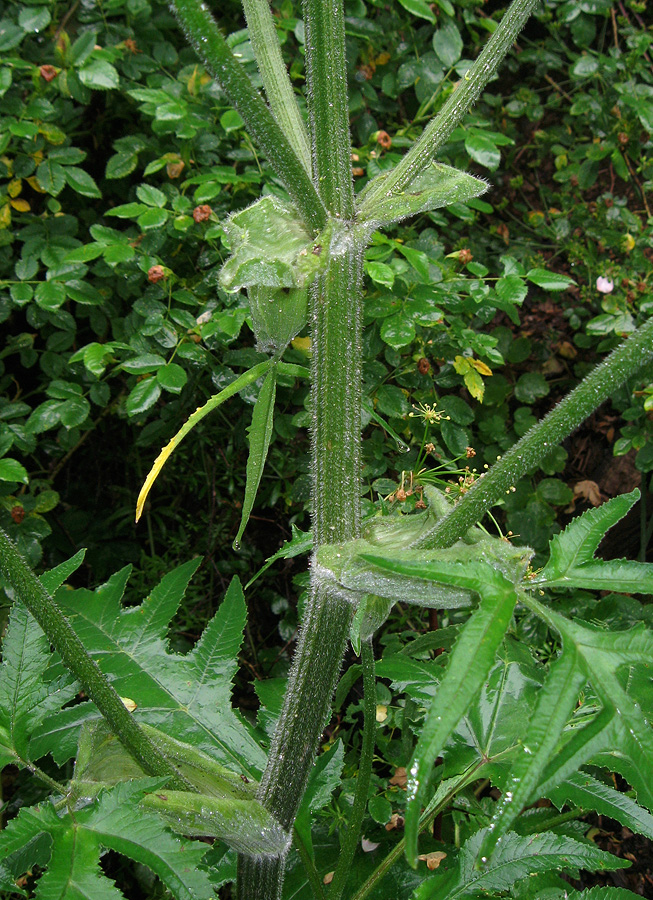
x=348, y=848
x=74, y=656
x=456, y=107
x=336, y=343
x=276, y=82
x=326, y=74
x=202, y=32
x=306, y=710
x=564, y=418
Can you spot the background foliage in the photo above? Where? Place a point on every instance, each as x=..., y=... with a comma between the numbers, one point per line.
x=120, y=157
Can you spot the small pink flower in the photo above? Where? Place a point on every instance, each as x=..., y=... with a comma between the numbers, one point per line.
x=604, y=285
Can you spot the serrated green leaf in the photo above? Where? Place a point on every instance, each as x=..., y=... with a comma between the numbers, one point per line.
x=74, y=871
x=469, y=664
x=12, y=470
x=143, y=396
x=555, y=703
x=80, y=181
x=34, y=19
x=121, y=164
x=51, y=177
x=448, y=43
x=185, y=696
x=550, y=281
x=516, y=857
x=25, y=698
x=583, y=790
x=259, y=432
x=54, y=578
x=50, y=295
x=437, y=186
x=589, y=654
x=171, y=377
x=99, y=74
x=419, y=8
x=572, y=551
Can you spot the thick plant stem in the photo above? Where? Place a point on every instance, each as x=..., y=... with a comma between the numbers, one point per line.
x=595, y=388
x=350, y=842
x=276, y=82
x=74, y=656
x=201, y=30
x=464, y=96
x=326, y=74
x=336, y=344
x=307, y=705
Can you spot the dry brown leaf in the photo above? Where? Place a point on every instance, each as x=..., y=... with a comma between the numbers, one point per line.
x=434, y=859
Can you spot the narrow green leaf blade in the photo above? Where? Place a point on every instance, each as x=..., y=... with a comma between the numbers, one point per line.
x=470, y=661
x=54, y=578
x=260, y=432
x=516, y=857
x=555, y=703
x=300, y=542
x=237, y=385
x=576, y=545
x=621, y=575
x=585, y=791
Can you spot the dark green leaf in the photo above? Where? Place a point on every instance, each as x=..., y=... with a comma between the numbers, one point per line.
x=419, y=8
x=143, y=396
x=448, y=44
x=80, y=181
x=171, y=377
x=550, y=281
x=99, y=74
x=51, y=176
